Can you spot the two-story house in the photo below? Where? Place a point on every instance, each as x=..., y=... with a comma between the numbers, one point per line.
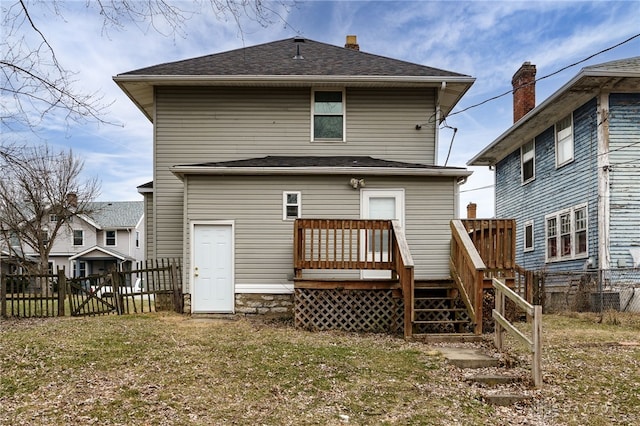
x=249, y=140
x=568, y=170
x=113, y=235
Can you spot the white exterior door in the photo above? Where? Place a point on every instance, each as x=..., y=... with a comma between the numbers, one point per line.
x=380, y=204
x=212, y=269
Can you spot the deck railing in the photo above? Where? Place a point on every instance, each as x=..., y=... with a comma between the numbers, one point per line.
x=467, y=270
x=495, y=240
x=364, y=244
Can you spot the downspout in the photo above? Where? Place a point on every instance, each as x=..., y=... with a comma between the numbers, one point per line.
x=604, y=210
x=443, y=86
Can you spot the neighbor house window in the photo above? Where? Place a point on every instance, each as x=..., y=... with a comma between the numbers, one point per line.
x=564, y=141
x=44, y=235
x=137, y=238
x=566, y=232
x=78, y=237
x=328, y=115
x=291, y=205
x=528, y=161
x=528, y=236
x=110, y=238
x=53, y=218
x=79, y=269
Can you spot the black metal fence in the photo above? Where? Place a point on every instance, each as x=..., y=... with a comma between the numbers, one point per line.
x=151, y=286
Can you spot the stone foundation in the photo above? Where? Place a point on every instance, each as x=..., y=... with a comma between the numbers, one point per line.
x=272, y=305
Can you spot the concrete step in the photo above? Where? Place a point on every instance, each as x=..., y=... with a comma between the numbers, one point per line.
x=468, y=357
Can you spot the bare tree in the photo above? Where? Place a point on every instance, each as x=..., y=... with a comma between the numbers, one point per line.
x=35, y=84
x=41, y=191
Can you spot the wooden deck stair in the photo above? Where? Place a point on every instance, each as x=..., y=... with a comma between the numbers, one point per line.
x=437, y=308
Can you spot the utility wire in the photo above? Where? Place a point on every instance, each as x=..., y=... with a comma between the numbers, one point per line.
x=548, y=75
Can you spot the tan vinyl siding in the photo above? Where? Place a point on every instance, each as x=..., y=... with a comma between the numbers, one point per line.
x=203, y=124
x=264, y=242
x=148, y=227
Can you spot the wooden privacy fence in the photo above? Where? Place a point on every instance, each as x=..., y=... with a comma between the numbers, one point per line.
x=534, y=344
x=152, y=285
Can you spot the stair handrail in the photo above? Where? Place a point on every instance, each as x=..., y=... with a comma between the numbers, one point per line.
x=502, y=324
x=403, y=266
x=467, y=270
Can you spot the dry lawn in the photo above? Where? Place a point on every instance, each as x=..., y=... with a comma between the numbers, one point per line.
x=157, y=369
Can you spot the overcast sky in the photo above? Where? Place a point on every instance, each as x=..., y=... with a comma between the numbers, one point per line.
x=486, y=40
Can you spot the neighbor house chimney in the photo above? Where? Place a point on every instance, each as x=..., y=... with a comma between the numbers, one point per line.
x=352, y=42
x=524, y=90
x=471, y=210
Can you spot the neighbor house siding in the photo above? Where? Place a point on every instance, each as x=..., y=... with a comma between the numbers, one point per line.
x=203, y=124
x=624, y=157
x=552, y=190
x=264, y=242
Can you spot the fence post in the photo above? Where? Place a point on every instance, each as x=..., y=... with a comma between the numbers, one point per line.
x=117, y=297
x=3, y=295
x=499, y=302
x=177, y=292
x=537, y=345
x=62, y=287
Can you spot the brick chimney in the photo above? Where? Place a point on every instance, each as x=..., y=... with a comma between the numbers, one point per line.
x=352, y=42
x=524, y=90
x=471, y=210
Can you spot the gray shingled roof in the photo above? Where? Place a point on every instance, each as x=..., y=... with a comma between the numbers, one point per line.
x=117, y=214
x=277, y=58
x=325, y=161
x=631, y=65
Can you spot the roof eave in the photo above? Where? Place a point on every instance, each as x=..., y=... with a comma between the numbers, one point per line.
x=181, y=171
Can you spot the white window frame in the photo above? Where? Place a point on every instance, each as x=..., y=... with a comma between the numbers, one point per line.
x=53, y=218
x=344, y=114
x=525, y=157
x=286, y=204
x=73, y=237
x=572, y=232
x=79, y=267
x=115, y=238
x=528, y=224
x=566, y=139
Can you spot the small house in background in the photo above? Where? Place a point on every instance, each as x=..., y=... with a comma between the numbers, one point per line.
x=298, y=168
x=568, y=172
x=112, y=236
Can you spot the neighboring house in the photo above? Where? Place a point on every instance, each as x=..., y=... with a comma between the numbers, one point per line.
x=568, y=170
x=112, y=236
x=249, y=140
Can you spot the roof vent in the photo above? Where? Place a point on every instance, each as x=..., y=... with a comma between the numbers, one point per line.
x=298, y=55
x=298, y=39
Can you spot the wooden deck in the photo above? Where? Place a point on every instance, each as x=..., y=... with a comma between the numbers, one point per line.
x=480, y=250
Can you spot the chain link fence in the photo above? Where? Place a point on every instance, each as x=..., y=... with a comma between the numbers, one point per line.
x=591, y=290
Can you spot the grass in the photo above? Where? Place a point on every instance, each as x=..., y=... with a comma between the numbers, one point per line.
x=157, y=369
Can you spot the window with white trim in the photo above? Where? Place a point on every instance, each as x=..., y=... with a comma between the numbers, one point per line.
x=79, y=269
x=110, y=238
x=528, y=162
x=566, y=233
x=564, y=141
x=78, y=237
x=327, y=110
x=291, y=205
x=528, y=236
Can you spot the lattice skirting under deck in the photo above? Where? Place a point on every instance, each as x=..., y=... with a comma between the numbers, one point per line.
x=349, y=310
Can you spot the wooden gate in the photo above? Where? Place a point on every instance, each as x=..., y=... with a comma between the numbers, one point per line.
x=86, y=296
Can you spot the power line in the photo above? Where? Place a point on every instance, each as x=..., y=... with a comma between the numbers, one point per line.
x=548, y=75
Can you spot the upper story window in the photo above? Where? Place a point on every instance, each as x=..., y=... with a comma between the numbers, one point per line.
x=78, y=237
x=110, y=238
x=564, y=141
x=53, y=218
x=137, y=238
x=528, y=236
x=328, y=115
x=528, y=161
x=291, y=205
x=566, y=233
